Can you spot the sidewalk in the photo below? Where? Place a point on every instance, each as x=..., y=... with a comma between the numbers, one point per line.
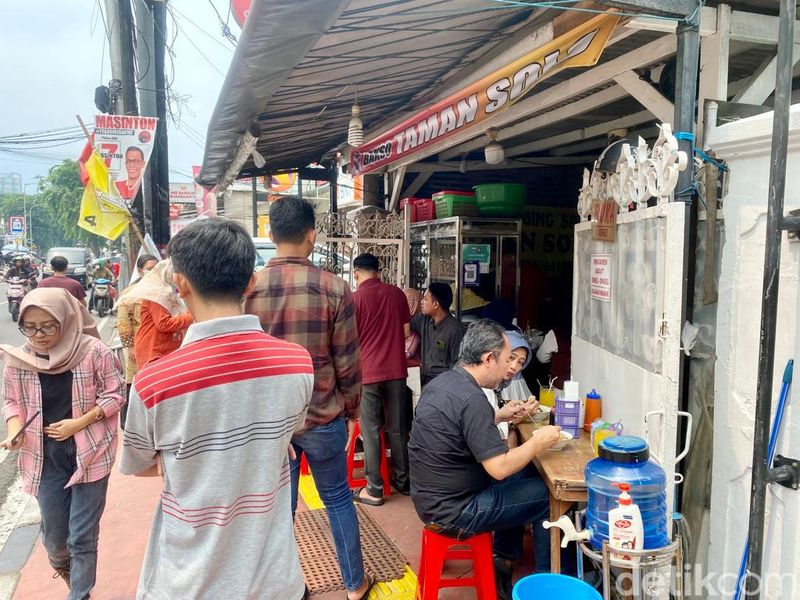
x=125, y=527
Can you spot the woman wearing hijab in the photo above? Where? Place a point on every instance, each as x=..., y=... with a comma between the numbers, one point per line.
x=512, y=400
x=66, y=385
x=163, y=318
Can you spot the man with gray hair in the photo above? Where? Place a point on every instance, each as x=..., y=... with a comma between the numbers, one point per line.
x=464, y=478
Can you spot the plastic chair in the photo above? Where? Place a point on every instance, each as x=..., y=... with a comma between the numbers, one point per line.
x=353, y=463
x=436, y=549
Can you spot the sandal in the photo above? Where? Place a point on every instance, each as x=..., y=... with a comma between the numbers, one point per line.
x=369, y=500
x=371, y=581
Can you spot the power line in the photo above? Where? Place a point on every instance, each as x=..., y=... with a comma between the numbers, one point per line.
x=226, y=31
x=200, y=52
x=206, y=33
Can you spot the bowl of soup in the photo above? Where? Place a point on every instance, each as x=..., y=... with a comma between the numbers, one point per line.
x=564, y=438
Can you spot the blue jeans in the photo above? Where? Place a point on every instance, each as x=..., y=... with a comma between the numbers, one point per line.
x=324, y=449
x=70, y=517
x=505, y=508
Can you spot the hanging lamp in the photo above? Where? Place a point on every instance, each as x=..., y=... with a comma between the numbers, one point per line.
x=493, y=152
x=355, y=129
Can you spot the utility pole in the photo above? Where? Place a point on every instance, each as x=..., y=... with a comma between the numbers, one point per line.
x=160, y=175
x=114, y=48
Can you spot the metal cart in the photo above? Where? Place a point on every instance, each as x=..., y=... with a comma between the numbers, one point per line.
x=479, y=258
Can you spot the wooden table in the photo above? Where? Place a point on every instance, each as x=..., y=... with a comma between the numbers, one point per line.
x=562, y=471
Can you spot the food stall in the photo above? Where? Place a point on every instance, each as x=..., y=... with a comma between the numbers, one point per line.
x=478, y=257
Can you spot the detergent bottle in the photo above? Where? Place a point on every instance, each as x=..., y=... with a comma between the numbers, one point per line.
x=625, y=527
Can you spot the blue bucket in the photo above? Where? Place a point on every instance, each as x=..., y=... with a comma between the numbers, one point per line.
x=542, y=586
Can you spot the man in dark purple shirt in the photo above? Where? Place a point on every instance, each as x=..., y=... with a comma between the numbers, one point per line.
x=60, y=279
x=383, y=324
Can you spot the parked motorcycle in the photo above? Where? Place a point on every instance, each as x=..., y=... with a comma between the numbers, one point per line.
x=102, y=296
x=17, y=288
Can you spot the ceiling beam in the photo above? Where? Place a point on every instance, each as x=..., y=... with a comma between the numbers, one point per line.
x=581, y=134
x=761, y=85
x=665, y=8
x=416, y=185
x=757, y=29
x=708, y=20
x=599, y=143
x=647, y=95
x=479, y=165
x=584, y=105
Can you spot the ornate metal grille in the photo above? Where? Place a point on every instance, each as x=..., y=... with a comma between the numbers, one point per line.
x=340, y=239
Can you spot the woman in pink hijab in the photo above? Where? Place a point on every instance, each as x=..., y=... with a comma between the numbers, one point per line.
x=63, y=390
x=412, y=341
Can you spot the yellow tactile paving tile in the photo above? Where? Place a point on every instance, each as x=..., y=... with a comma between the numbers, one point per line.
x=399, y=589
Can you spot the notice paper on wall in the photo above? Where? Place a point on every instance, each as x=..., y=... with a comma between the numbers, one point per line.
x=601, y=277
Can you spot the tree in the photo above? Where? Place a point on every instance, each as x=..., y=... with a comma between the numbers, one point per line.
x=43, y=230
x=61, y=191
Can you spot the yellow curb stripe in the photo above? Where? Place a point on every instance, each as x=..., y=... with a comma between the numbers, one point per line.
x=399, y=589
x=309, y=494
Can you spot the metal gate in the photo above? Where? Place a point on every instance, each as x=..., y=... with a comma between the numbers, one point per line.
x=341, y=237
x=628, y=298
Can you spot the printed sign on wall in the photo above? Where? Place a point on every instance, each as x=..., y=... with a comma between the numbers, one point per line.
x=601, y=277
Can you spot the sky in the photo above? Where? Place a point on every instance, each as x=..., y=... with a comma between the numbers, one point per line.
x=54, y=55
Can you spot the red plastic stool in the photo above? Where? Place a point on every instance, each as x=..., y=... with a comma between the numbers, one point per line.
x=436, y=549
x=353, y=464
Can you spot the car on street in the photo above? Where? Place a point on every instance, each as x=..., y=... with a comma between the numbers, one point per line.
x=79, y=260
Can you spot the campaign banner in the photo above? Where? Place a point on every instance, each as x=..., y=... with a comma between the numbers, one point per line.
x=181, y=203
x=579, y=47
x=125, y=142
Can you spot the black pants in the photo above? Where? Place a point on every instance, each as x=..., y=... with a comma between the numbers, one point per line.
x=384, y=405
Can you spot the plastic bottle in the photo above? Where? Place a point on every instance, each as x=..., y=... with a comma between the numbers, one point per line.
x=626, y=459
x=625, y=527
x=594, y=409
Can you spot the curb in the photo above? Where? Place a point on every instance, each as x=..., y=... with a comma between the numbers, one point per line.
x=19, y=537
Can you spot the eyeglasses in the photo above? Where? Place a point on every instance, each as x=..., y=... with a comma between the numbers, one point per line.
x=29, y=331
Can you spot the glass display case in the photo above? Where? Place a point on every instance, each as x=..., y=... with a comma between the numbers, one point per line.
x=478, y=258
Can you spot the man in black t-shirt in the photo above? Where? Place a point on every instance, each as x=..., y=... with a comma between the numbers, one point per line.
x=464, y=478
x=439, y=331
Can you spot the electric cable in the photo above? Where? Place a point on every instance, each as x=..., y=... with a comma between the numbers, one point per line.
x=226, y=31
x=206, y=33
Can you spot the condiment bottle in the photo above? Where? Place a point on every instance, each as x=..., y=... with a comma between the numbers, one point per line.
x=594, y=409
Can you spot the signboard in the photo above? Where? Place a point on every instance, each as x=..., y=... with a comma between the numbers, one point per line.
x=125, y=142
x=472, y=274
x=579, y=47
x=16, y=225
x=477, y=253
x=604, y=220
x=547, y=239
x=601, y=277
x=181, y=205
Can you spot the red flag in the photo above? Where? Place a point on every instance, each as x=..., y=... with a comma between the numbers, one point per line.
x=85, y=154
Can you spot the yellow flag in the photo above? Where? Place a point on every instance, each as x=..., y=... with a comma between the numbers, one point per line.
x=103, y=212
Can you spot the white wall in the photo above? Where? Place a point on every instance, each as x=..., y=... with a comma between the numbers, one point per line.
x=746, y=146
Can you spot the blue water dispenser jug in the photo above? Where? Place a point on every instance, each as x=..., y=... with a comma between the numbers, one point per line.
x=626, y=459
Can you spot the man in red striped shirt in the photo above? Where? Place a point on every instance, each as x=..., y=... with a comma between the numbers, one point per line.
x=217, y=415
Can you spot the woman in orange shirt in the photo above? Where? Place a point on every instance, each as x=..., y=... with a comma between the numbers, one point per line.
x=164, y=319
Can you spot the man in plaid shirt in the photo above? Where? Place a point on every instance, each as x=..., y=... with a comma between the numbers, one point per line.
x=300, y=303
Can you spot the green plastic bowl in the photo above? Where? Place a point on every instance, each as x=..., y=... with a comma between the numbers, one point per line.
x=500, y=199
